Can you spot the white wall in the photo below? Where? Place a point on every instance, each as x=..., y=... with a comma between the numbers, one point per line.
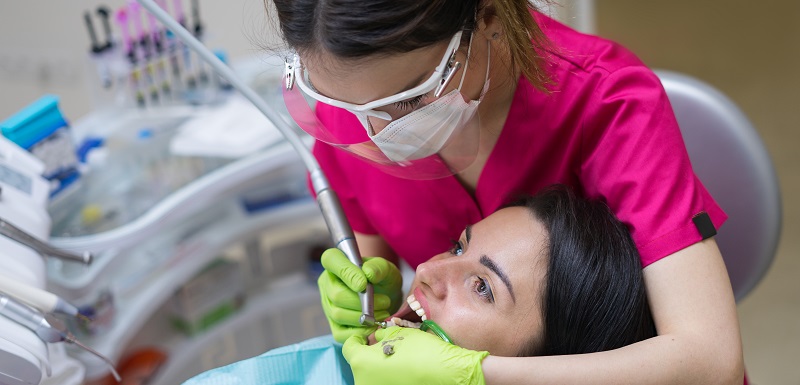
x=44, y=46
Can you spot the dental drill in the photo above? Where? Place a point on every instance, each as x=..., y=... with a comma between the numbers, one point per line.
x=47, y=327
x=42, y=300
x=341, y=232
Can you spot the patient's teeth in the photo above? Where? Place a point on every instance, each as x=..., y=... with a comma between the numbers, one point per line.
x=416, y=306
x=424, y=317
x=404, y=323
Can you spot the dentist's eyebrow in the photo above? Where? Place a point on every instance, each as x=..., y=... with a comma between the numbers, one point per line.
x=496, y=269
x=414, y=83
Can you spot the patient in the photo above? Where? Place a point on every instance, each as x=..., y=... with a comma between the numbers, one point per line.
x=551, y=274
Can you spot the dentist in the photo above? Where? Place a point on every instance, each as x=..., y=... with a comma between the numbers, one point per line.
x=430, y=115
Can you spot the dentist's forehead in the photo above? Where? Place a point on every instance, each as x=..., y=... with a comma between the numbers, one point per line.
x=374, y=78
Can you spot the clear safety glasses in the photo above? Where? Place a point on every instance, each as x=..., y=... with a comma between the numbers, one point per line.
x=441, y=77
x=352, y=133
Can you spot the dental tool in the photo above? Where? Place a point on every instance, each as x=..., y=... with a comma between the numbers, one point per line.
x=40, y=247
x=47, y=327
x=105, y=15
x=341, y=232
x=96, y=46
x=425, y=326
x=143, y=40
x=45, y=301
x=135, y=74
x=198, y=33
x=96, y=51
x=177, y=10
x=157, y=41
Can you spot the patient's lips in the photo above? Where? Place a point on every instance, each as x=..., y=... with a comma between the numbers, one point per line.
x=419, y=304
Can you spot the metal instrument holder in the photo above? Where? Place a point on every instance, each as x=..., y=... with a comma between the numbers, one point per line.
x=44, y=249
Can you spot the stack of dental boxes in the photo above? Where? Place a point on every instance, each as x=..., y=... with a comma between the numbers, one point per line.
x=41, y=129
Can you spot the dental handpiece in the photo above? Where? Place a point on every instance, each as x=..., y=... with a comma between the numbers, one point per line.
x=338, y=226
x=38, y=298
x=344, y=239
x=47, y=327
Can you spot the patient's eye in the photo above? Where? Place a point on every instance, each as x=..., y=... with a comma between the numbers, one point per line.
x=457, y=249
x=484, y=290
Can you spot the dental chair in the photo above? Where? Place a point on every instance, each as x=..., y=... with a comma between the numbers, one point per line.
x=730, y=159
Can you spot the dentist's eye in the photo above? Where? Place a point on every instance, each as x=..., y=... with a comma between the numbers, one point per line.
x=484, y=290
x=457, y=249
x=409, y=104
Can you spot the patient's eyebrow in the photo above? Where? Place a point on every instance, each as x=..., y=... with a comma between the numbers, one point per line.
x=496, y=269
x=469, y=232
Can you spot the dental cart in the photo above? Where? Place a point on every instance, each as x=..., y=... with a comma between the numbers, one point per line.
x=199, y=261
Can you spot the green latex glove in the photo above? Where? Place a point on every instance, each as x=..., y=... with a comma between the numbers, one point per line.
x=340, y=284
x=417, y=357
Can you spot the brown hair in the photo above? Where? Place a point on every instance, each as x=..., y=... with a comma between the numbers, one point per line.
x=526, y=41
x=354, y=29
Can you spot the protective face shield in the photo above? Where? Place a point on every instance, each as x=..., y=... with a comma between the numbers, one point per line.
x=428, y=135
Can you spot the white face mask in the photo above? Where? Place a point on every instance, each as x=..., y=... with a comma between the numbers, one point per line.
x=425, y=131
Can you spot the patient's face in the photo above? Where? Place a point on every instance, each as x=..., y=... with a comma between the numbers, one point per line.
x=468, y=290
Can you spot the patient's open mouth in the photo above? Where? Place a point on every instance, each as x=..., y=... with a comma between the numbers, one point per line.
x=411, y=314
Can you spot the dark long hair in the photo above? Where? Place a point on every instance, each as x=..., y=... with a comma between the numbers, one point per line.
x=595, y=296
x=356, y=29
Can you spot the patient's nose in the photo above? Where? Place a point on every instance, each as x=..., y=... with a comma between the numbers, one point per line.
x=439, y=273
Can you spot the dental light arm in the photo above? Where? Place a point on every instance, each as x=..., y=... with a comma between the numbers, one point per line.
x=341, y=232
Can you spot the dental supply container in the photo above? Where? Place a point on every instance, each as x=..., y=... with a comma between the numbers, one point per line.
x=41, y=129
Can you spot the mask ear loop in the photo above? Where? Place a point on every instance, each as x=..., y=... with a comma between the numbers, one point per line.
x=466, y=66
x=488, y=65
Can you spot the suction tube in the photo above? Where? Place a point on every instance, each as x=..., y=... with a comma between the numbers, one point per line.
x=341, y=232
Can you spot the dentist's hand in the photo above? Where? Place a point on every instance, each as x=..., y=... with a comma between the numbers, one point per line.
x=411, y=356
x=340, y=284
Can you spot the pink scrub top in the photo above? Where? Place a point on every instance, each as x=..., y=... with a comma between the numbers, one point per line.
x=607, y=130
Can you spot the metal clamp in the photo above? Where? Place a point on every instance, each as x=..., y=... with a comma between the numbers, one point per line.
x=288, y=73
x=44, y=249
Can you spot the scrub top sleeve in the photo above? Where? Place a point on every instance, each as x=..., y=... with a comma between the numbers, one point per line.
x=634, y=158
